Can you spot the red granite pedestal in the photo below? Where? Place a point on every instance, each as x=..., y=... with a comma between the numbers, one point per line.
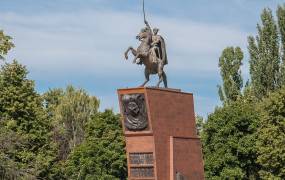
x=167, y=146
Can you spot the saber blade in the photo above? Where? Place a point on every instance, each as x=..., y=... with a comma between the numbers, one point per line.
x=144, y=12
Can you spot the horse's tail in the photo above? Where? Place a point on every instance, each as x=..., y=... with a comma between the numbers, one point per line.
x=163, y=49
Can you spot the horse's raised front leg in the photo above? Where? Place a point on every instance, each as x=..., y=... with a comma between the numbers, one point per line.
x=146, y=73
x=136, y=57
x=134, y=52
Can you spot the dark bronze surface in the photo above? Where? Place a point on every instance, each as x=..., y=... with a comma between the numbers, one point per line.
x=151, y=53
x=135, y=114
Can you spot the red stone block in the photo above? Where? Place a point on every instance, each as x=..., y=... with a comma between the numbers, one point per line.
x=168, y=145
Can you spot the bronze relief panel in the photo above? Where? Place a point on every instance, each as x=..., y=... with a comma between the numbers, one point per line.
x=135, y=112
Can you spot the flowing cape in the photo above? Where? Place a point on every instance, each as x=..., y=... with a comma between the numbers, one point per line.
x=163, y=51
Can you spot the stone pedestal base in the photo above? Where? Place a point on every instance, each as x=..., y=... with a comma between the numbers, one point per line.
x=160, y=133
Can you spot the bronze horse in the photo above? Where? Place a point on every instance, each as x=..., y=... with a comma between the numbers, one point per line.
x=147, y=56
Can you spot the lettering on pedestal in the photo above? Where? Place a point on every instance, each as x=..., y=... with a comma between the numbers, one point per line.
x=141, y=158
x=141, y=164
x=142, y=172
x=135, y=114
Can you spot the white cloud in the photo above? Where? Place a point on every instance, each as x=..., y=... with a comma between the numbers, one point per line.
x=99, y=38
x=55, y=45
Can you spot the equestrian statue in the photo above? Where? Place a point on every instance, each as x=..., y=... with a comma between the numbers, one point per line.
x=151, y=53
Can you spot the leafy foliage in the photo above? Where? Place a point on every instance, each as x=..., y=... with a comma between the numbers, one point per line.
x=281, y=25
x=47, y=134
x=264, y=53
x=199, y=124
x=230, y=63
x=271, y=137
x=90, y=144
x=228, y=138
x=101, y=156
x=244, y=138
x=27, y=151
x=5, y=44
x=70, y=110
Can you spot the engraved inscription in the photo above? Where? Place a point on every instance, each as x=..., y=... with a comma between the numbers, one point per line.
x=142, y=172
x=141, y=158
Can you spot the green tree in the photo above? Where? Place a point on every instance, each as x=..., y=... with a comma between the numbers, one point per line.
x=199, y=124
x=5, y=44
x=281, y=25
x=9, y=141
x=70, y=110
x=101, y=156
x=271, y=136
x=52, y=99
x=28, y=151
x=230, y=63
x=244, y=139
x=264, y=56
x=228, y=139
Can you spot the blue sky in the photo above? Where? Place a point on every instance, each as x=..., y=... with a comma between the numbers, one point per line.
x=82, y=42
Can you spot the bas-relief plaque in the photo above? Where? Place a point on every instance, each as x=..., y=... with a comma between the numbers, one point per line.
x=135, y=113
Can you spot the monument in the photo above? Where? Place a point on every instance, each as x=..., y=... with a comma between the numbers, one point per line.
x=159, y=123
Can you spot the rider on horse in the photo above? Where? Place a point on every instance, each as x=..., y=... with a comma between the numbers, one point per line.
x=151, y=53
x=157, y=45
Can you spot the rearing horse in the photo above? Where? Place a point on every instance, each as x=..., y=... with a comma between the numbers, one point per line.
x=148, y=57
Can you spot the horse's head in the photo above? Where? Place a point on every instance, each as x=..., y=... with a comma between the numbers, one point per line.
x=143, y=34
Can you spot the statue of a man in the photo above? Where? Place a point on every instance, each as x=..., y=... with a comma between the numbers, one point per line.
x=157, y=45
